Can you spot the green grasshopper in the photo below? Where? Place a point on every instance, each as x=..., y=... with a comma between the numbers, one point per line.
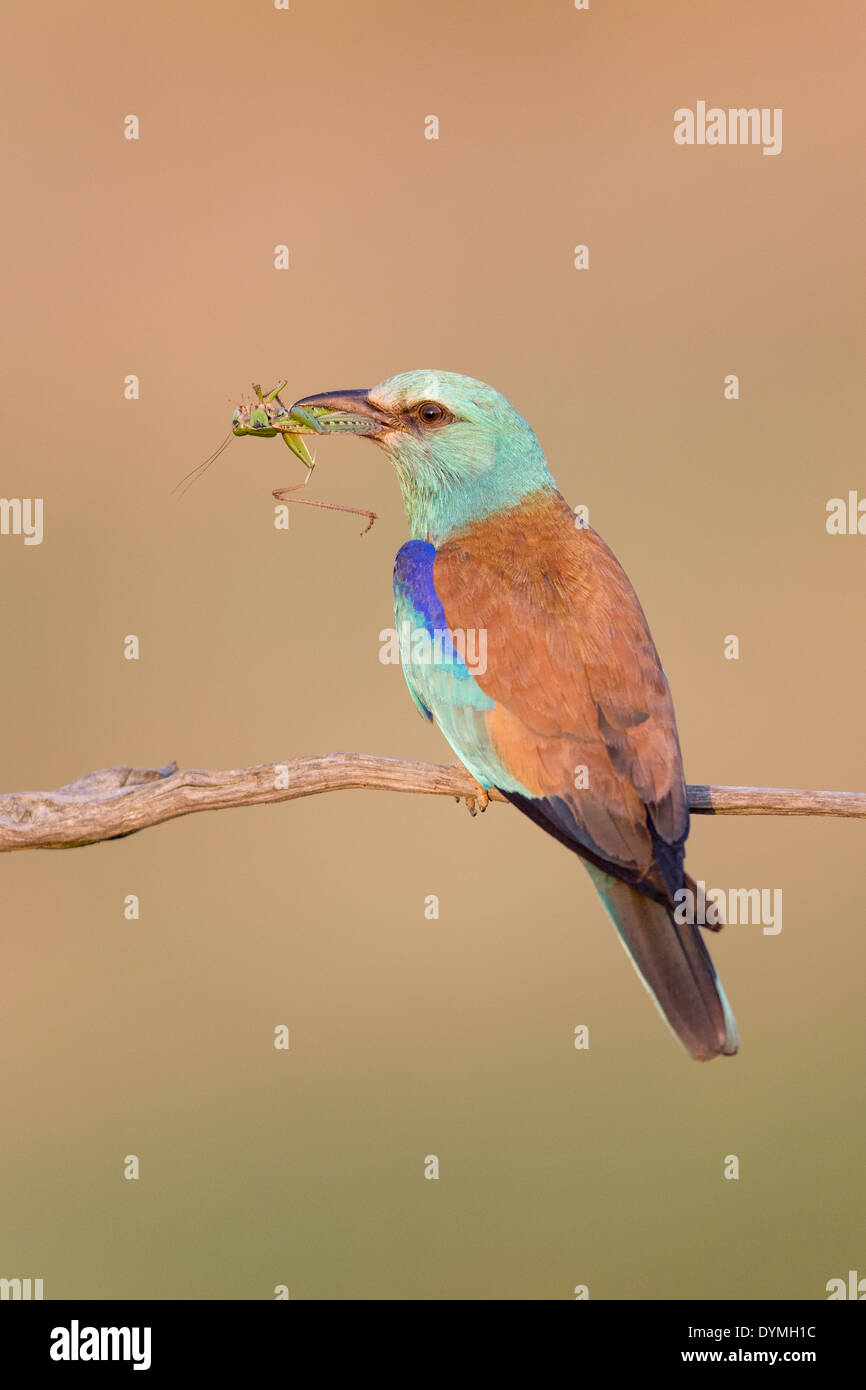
x=270, y=417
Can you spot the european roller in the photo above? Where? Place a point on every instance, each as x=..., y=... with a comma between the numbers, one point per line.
x=569, y=714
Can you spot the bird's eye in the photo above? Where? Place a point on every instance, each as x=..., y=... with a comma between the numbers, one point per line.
x=431, y=413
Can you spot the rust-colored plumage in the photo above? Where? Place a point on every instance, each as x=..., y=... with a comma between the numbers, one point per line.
x=576, y=680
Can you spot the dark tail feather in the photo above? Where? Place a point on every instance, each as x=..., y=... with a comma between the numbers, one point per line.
x=675, y=966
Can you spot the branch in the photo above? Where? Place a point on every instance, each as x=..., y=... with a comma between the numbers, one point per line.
x=117, y=801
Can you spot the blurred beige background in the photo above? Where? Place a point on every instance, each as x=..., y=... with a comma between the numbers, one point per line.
x=411, y=1037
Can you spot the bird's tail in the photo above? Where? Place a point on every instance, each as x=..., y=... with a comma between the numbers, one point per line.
x=675, y=966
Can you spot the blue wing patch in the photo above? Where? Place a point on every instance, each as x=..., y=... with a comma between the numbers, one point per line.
x=416, y=601
x=413, y=577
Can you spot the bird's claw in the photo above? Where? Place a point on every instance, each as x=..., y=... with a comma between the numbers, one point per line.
x=476, y=801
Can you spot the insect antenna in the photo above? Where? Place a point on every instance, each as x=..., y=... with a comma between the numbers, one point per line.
x=195, y=473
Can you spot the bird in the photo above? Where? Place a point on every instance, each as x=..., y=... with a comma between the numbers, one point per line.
x=570, y=715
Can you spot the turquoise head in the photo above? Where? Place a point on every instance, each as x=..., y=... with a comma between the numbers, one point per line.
x=460, y=450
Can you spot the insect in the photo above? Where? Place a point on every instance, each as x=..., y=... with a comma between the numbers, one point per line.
x=267, y=418
x=270, y=417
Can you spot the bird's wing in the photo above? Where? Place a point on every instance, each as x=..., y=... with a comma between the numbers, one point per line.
x=565, y=708
x=580, y=712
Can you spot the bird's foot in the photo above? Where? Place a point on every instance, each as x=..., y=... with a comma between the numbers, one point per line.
x=476, y=801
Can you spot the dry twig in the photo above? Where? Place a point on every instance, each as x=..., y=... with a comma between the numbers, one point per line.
x=117, y=801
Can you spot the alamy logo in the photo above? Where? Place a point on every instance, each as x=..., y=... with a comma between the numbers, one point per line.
x=74, y=1343
x=22, y=516
x=23, y=1289
x=714, y=907
x=444, y=646
x=855, y=1287
x=736, y=125
x=846, y=519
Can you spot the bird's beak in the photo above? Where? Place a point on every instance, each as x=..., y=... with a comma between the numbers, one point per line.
x=349, y=412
